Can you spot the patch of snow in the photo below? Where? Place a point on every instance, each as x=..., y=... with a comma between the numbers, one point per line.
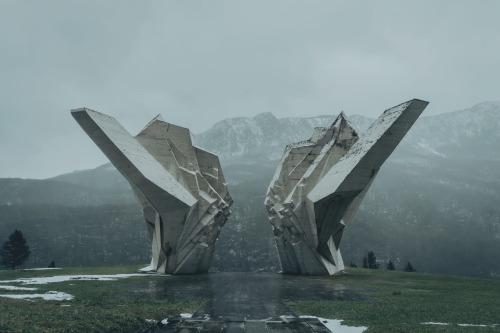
x=16, y=288
x=150, y=320
x=463, y=325
x=478, y=325
x=63, y=278
x=164, y=321
x=150, y=270
x=285, y=318
x=335, y=325
x=186, y=315
x=48, y=296
x=428, y=148
x=147, y=268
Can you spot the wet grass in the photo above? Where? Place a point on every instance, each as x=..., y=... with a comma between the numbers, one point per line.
x=96, y=307
x=397, y=302
x=401, y=302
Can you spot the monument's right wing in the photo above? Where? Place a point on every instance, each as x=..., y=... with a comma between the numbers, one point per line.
x=316, y=191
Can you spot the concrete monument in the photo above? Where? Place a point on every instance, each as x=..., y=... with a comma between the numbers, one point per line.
x=320, y=183
x=180, y=187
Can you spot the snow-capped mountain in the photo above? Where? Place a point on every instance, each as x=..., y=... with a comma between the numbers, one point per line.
x=477, y=128
x=264, y=137
x=256, y=139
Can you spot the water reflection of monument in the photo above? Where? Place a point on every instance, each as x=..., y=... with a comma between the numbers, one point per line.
x=320, y=183
x=180, y=187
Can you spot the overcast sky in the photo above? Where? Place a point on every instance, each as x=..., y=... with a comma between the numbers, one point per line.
x=198, y=62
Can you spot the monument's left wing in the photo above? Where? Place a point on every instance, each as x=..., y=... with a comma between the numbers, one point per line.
x=130, y=158
x=180, y=187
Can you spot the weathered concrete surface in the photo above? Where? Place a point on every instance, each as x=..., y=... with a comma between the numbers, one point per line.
x=320, y=183
x=180, y=187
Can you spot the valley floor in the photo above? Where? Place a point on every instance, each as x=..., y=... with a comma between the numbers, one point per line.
x=119, y=300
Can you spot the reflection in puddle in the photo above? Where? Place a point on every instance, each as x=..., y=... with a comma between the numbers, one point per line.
x=243, y=296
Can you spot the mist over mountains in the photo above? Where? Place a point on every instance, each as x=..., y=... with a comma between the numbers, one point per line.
x=264, y=136
x=434, y=201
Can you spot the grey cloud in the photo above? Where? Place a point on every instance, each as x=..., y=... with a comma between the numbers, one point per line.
x=197, y=62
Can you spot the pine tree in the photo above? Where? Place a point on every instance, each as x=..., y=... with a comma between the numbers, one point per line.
x=352, y=264
x=372, y=261
x=409, y=268
x=14, y=251
x=390, y=266
x=365, y=262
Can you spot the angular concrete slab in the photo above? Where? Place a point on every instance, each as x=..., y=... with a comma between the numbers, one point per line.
x=181, y=188
x=320, y=183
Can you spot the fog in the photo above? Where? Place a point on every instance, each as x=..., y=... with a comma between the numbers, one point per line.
x=198, y=62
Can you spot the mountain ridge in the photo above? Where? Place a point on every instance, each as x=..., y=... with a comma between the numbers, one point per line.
x=207, y=140
x=233, y=139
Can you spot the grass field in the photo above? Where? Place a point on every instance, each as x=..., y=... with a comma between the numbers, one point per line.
x=398, y=302
x=401, y=302
x=94, y=308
